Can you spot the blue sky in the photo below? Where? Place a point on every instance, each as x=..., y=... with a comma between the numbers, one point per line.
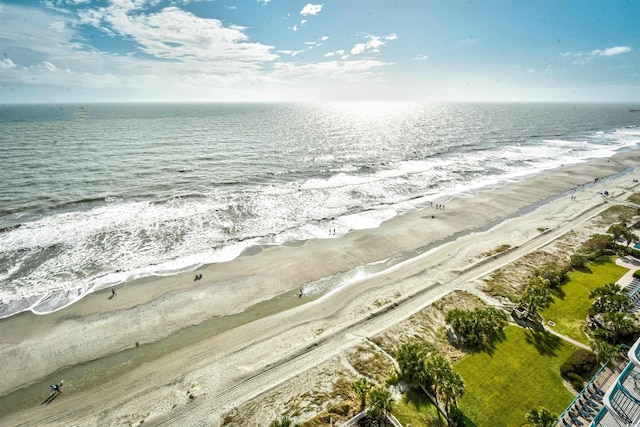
x=334, y=50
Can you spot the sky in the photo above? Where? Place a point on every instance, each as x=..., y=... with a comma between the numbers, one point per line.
x=335, y=50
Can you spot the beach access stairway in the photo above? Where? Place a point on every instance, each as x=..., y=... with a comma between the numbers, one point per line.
x=633, y=292
x=354, y=421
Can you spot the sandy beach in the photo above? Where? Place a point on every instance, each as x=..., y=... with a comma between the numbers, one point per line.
x=174, y=351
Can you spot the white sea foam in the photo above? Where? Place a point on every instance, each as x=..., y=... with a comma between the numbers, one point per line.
x=162, y=212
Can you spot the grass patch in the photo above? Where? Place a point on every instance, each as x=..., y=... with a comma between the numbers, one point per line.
x=521, y=373
x=497, y=250
x=571, y=302
x=416, y=409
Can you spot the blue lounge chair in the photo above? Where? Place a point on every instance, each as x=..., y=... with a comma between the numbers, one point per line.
x=575, y=420
x=591, y=403
x=566, y=423
x=596, y=396
x=582, y=413
x=586, y=408
x=597, y=390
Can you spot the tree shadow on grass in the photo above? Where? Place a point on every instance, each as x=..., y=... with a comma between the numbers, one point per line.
x=558, y=293
x=544, y=342
x=424, y=410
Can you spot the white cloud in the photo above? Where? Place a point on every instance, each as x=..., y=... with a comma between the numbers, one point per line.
x=172, y=33
x=323, y=38
x=420, y=57
x=264, y=2
x=6, y=63
x=582, y=58
x=311, y=9
x=611, y=51
x=329, y=54
x=373, y=44
x=334, y=70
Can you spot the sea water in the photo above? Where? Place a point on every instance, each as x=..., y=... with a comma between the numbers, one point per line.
x=94, y=195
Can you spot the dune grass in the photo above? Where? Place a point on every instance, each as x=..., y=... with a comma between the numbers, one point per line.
x=520, y=373
x=571, y=302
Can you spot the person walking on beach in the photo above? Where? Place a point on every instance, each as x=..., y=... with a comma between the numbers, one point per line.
x=59, y=386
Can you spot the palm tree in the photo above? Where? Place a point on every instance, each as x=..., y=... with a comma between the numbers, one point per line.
x=410, y=358
x=536, y=298
x=604, y=351
x=541, y=417
x=361, y=387
x=619, y=324
x=610, y=298
x=436, y=367
x=451, y=389
x=381, y=402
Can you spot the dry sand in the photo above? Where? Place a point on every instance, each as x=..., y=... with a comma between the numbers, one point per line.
x=137, y=357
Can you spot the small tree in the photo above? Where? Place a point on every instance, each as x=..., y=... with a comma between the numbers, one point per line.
x=361, y=387
x=578, y=261
x=554, y=273
x=381, y=402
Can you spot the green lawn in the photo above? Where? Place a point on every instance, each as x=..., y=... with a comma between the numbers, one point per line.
x=520, y=373
x=571, y=302
x=416, y=409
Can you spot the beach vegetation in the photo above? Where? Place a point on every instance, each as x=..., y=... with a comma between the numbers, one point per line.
x=522, y=372
x=380, y=402
x=634, y=198
x=361, y=388
x=553, y=273
x=636, y=274
x=541, y=417
x=618, y=213
x=372, y=362
x=597, y=246
x=283, y=421
x=578, y=261
x=480, y=327
x=502, y=248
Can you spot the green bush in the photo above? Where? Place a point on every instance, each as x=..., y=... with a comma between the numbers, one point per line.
x=581, y=362
x=636, y=274
x=578, y=261
x=575, y=380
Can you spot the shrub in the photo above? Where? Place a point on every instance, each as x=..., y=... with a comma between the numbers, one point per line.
x=575, y=380
x=581, y=362
x=636, y=274
x=578, y=261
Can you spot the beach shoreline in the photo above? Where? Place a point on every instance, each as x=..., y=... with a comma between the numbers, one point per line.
x=261, y=290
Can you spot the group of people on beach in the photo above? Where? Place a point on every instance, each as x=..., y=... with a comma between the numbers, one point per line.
x=198, y=277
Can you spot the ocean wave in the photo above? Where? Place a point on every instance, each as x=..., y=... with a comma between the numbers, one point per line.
x=175, y=214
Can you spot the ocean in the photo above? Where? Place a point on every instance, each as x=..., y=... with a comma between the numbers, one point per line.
x=93, y=196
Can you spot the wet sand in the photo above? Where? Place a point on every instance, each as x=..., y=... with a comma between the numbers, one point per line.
x=160, y=336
